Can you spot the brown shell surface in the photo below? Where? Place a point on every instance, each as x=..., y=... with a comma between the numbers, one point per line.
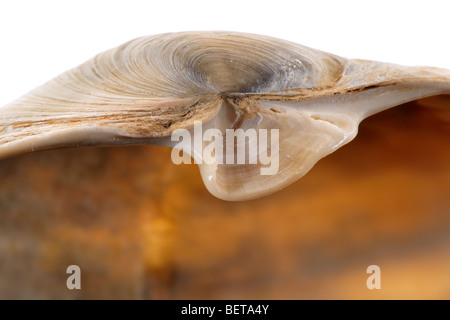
x=141, y=227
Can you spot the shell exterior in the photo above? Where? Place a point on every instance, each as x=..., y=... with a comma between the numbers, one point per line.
x=143, y=90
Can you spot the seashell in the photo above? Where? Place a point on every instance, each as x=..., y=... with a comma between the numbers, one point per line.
x=144, y=90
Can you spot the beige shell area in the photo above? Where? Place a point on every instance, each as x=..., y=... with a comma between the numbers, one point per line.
x=143, y=90
x=141, y=227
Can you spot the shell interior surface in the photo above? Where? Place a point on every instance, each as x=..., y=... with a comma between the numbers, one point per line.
x=145, y=89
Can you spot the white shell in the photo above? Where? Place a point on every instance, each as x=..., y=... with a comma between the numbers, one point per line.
x=143, y=90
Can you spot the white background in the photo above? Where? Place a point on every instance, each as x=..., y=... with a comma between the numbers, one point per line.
x=41, y=39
